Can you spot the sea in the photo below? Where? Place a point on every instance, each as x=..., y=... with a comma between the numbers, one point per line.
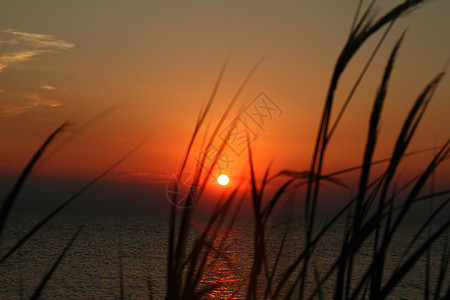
x=135, y=247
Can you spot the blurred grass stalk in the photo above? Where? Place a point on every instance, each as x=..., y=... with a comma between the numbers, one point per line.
x=374, y=214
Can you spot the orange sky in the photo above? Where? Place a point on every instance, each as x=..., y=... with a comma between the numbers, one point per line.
x=160, y=59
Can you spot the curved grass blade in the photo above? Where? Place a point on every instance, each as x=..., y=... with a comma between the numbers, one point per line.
x=401, y=272
x=47, y=277
x=9, y=201
x=67, y=202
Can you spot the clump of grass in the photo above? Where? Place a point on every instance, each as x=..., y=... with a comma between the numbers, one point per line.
x=374, y=212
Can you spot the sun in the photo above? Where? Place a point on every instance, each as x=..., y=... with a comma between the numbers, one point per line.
x=223, y=179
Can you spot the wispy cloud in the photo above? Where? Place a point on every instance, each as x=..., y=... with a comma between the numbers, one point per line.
x=40, y=40
x=39, y=100
x=18, y=109
x=48, y=87
x=32, y=100
x=27, y=46
x=19, y=56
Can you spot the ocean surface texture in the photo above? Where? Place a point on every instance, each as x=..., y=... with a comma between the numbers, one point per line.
x=91, y=267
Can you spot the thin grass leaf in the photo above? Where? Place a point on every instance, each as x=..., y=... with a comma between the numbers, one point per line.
x=202, y=248
x=306, y=175
x=363, y=282
x=356, y=15
x=291, y=269
x=363, y=30
x=437, y=194
x=267, y=293
x=201, y=293
x=317, y=279
x=49, y=274
x=67, y=202
x=380, y=161
x=439, y=158
x=358, y=81
x=373, y=130
x=408, y=130
x=258, y=239
x=442, y=271
x=351, y=247
x=409, y=127
x=361, y=33
x=274, y=200
x=172, y=277
x=9, y=201
x=180, y=250
x=103, y=114
x=424, y=226
x=403, y=270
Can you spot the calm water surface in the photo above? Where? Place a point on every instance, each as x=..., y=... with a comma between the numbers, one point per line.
x=90, y=270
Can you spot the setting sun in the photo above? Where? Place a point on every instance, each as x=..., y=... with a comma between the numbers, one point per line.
x=223, y=179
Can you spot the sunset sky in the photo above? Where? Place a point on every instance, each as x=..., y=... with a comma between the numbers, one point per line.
x=158, y=62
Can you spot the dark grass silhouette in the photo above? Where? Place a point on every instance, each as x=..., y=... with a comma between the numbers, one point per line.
x=373, y=210
x=376, y=209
